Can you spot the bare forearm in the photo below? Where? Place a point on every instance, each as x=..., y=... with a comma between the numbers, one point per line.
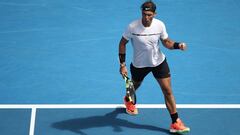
x=168, y=43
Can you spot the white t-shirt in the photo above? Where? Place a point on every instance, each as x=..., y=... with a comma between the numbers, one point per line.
x=145, y=42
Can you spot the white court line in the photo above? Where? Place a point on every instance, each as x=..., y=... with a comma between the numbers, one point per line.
x=32, y=123
x=52, y=106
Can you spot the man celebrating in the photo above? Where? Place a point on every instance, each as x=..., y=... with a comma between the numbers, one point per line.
x=145, y=35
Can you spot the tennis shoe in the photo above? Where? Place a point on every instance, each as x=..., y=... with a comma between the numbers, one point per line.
x=179, y=127
x=130, y=107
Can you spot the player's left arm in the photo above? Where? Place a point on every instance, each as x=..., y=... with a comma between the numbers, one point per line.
x=170, y=44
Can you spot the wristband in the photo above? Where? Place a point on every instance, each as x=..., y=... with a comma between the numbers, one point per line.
x=176, y=45
x=122, y=57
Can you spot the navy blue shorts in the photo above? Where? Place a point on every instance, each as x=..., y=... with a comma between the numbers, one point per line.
x=160, y=71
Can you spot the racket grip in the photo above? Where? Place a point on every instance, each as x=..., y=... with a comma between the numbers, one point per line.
x=130, y=99
x=129, y=96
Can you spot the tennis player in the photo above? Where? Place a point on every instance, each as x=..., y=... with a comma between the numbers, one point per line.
x=145, y=35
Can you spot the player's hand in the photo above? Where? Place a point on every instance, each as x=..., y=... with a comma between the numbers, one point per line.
x=182, y=46
x=123, y=70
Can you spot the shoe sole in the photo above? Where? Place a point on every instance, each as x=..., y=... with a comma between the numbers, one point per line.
x=179, y=131
x=131, y=113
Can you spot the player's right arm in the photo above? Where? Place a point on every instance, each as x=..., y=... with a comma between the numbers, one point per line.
x=170, y=44
x=122, y=56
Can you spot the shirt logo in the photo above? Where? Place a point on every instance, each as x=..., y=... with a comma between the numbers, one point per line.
x=135, y=34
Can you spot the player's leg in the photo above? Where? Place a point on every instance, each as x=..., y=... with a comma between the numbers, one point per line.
x=136, y=84
x=165, y=84
x=162, y=75
x=138, y=75
x=177, y=125
x=130, y=106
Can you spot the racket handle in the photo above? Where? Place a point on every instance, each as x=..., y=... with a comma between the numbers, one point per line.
x=125, y=77
x=129, y=96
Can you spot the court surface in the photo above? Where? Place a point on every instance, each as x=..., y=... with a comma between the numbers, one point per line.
x=59, y=70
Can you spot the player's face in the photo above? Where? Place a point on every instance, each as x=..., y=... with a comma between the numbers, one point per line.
x=147, y=17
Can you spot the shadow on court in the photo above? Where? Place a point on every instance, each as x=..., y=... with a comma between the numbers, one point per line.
x=109, y=119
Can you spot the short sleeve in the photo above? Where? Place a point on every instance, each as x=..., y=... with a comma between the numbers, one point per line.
x=164, y=34
x=127, y=33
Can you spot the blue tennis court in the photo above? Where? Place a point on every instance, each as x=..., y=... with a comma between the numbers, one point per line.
x=65, y=52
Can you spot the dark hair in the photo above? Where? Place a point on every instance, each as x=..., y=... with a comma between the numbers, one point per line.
x=149, y=6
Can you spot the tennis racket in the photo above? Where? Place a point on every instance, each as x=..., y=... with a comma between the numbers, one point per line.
x=130, y=90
